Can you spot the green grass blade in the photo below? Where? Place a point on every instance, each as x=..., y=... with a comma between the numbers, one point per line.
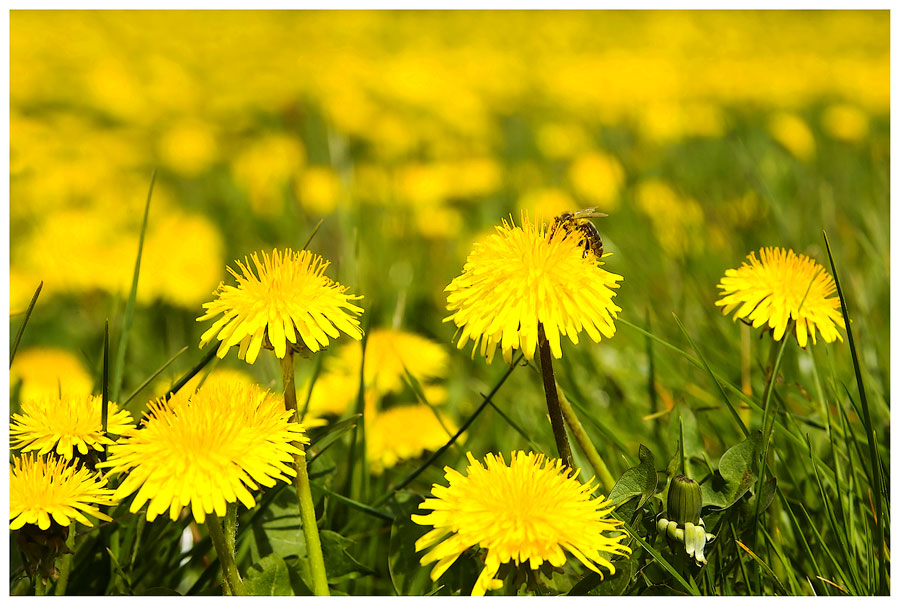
x=437, y=453
x=734, y=413
x=119, y=369
x=377, y=513
x=313, y=234
x=104, y=385
x=176, y=387
x=152, y=377
x=690, y=588
x=839, y=532
x=870, y=431
x=15, y=345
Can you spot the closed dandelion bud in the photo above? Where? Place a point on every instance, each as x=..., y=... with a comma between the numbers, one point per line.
x=684, y=502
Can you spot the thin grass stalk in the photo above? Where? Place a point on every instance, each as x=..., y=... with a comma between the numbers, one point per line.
x=556, y=418
x=776, y=352
x=18, y=339
x=437, y=453
x=587, y=447
x=119, y=368
x=233, y=583
x=301, y=484
x=870, y=430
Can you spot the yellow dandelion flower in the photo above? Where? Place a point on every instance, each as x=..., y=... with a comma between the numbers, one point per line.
x=49, y=371
x=291, y=296
x=404, y=432
x=520, y=276
x=41, y=488
x=390, y=354
x=792, y=132
x=206, y=450
x=533, y=510
x=62, y=424
x=846, y=122
x=780, y=286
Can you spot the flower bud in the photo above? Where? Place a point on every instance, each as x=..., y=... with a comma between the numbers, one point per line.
x=685, y=501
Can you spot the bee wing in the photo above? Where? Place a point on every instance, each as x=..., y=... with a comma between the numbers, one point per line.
x=586, y=213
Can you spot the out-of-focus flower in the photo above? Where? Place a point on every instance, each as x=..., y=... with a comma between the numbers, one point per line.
x=189, y=148
x=561, y=140
x=597, y=177
x=318, y=190
x=546, y=203
x=44, y=488
x=665, y=123
x=290, y=296
x=533, y=510
x=390, y=354
x=781, y=286
x=50, y=423
x=46, y=371
x=676, y=220
x=792, y=132
x=845, y=122
x=265, y=167
x=521, y=276
x=404, y=432
x=206, y=450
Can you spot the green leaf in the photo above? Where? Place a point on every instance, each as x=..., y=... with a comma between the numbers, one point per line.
x=269, y=576
x=610, y=584
x=683, y=419
x=407, y=575
x=279, y=529
x=639, y=480
x=736, y=473
x=338, y=561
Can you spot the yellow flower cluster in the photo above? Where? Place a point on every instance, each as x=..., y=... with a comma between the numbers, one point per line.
x=173, y=97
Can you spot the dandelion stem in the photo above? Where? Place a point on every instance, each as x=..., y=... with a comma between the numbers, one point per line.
x=556, y=418
x=230, y=574
x=776, y=351
x=65, y=566
x=301, y=483
x=587, y=447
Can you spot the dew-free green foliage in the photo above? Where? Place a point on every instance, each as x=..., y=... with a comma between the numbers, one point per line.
x=672, y=392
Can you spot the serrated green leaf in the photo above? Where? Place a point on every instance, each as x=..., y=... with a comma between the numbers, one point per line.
x=736, y=473
x=338, y=560
x=269, y=576
x=639, y=480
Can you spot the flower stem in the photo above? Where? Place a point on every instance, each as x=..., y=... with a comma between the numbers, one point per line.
x=233, y=583
x=556, y=418
x=65, y=565
x=301, y=484
x=587, y=447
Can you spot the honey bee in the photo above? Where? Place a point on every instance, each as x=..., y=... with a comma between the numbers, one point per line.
x=579, y=221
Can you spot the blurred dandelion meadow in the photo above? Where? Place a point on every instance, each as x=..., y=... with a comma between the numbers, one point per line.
x=357, y=210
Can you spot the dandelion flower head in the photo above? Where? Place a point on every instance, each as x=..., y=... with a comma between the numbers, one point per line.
x=521, y=276
x=532, y=510
x=287, y=300
x=49, y=370
x=390, y=354
x=780, y=286
x=404, y=432
x=43, y=488
x=50, y=423
x=206, y=450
